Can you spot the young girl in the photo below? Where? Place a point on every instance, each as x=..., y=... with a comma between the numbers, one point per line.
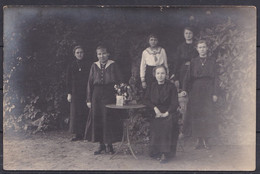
x=201, y=78
x=77, y=72
x=151, y=57
x=102, y=126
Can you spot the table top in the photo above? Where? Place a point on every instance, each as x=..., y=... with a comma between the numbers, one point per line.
x=127, y=106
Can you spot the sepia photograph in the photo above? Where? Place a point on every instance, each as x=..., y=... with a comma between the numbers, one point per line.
x=134, y=88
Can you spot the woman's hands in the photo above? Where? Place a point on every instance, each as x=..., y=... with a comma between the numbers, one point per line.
x=182, y=94
x=158, y=113
x=214, y=98
x=69, y=97
x=89, y=105
x=144, y=85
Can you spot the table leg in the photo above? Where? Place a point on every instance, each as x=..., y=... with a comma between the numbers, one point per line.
x=129, y=143
x=125, y=136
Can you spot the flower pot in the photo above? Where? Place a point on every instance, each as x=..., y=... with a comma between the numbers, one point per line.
x=119, y=100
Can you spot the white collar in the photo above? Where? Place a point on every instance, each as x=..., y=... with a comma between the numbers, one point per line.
x=157, y=51
x=109, y=62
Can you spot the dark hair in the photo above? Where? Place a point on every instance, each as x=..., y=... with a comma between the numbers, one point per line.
x=152, y=35
x=157, y=67
x=77, y=47
x=102, y=47
x=188, y=28
x=201, y=41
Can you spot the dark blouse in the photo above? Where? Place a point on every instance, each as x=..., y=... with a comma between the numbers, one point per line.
x=163, y=96
x=201, y=68
x=185, y=52
x=77, y=75
x=108, y=74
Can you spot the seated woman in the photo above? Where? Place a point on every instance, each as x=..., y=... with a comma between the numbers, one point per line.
x=162, y=97
x=152, y=56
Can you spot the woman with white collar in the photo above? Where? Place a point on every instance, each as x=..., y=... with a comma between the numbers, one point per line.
x=102, y=127
x=152, y=56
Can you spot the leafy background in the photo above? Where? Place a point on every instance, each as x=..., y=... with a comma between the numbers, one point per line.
x=38, y=44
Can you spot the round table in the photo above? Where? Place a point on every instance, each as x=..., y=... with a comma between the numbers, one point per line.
x=126, y=123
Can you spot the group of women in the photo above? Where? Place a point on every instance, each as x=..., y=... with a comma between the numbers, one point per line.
x=193, y=75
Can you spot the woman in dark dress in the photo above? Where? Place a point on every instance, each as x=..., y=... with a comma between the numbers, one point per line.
x=185, y=52
x=201, y=79
x=103, y=126
x=77, y=78
x=162, y=97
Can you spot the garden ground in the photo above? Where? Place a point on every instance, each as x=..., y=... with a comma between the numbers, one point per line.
x=55, y=151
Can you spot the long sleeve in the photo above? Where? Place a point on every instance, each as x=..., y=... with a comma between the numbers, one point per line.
x=216, y=80
x=165, y=63
x=174, y=100
x=142, y=68
x=187, y=78
x=90, y=84
x=69, y=80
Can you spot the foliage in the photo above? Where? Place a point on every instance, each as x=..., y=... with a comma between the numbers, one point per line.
x=38, y=49
x=234, y=51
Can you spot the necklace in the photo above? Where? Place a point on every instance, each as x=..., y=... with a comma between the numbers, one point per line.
x=203, y=61
x=78, y=66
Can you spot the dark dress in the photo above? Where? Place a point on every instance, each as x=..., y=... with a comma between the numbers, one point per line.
x=77, y=79
x=103, y=126
x=149, y=78
x=164, y=131
x=202, y=82
x=185, y=52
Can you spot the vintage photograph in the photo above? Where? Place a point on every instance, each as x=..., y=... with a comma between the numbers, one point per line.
x=129, y=88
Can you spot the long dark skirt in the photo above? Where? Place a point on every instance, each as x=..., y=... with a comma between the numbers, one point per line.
x=78, y=112
x=164, y=135
x=103, y=125
x=201, y=108
x=149, y=78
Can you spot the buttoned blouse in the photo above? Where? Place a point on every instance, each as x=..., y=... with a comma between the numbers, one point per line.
x=107, y=74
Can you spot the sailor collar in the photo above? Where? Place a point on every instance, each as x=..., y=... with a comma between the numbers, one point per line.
x=109, y=62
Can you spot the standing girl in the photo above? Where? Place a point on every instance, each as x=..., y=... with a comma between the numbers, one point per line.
x=102, y=126
x=185, y=52
x=202, y=81
x=77, y=74
x=152, y=56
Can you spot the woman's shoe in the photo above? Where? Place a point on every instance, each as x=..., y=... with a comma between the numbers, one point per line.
x=77, y=138
x=205, y=144
x=163, y=159
x=101, y=148
x=110, y=149
x=198, y=144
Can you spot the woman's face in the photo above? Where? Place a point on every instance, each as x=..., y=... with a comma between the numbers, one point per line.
x=202, y=49
x=188, y=35
x=102, y=55
x=160, y=74
x=79, y=53
x=153, y=42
